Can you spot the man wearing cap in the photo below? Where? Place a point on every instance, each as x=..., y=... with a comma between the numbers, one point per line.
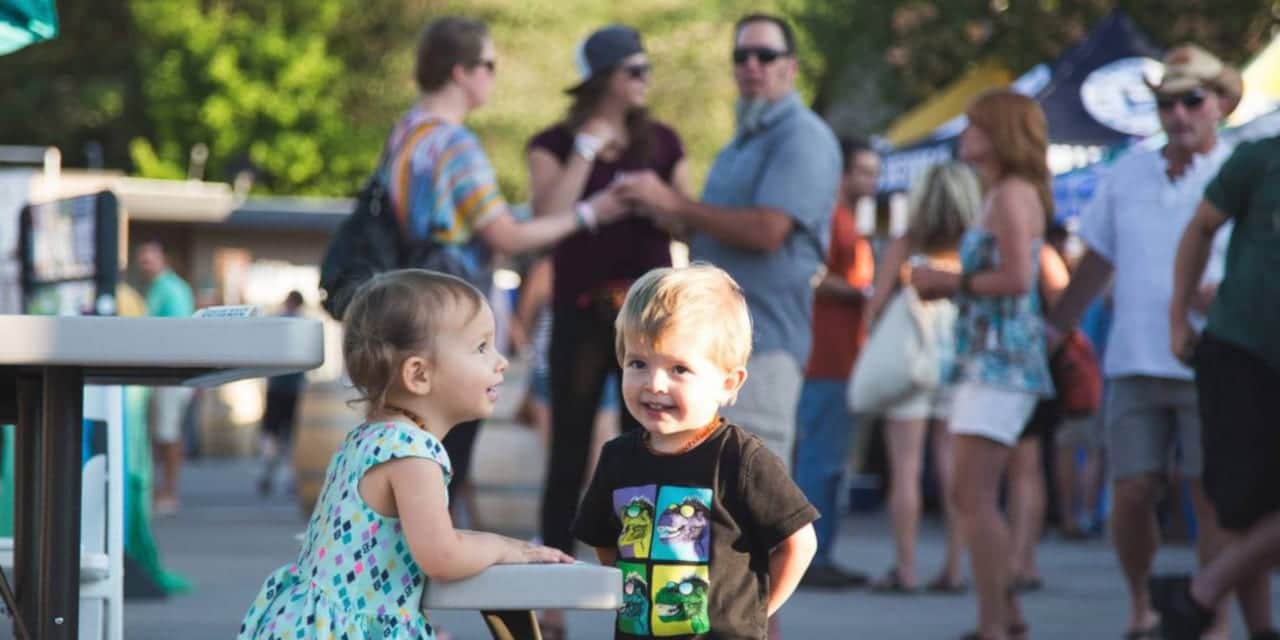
x=1132, y=228
x=765, y=217
x=1237, y=362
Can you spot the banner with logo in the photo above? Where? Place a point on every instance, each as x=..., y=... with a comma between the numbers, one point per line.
x=1097, y=95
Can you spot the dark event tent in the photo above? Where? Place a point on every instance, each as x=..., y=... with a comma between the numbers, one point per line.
x=1105, y=70
x=1114, y=39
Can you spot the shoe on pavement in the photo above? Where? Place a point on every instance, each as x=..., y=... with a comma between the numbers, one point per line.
x=829, y=576
x=1181, y=617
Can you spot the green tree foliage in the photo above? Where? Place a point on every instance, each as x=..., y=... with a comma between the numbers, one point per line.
x=306, y=90
x=689, y=44
x=263, y=83
x=75, y=88
x=886, y=56
x=302, y=90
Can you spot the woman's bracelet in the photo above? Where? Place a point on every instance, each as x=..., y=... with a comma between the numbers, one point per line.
x=966, y=282
x=587, y=146
x=585, y=214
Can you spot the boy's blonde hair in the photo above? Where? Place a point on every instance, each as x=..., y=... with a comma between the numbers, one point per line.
x=699, y=298
x=392, y=316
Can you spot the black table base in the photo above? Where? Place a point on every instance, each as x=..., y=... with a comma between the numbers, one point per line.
x=47, y=468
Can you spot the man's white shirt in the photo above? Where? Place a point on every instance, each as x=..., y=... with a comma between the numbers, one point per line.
x=1135, y=221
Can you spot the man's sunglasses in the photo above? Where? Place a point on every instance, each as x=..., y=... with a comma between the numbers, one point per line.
x=764, y=54
x=638, y=71
x=487, y=63
x=1191, y=100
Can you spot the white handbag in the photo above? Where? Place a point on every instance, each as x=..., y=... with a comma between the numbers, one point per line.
x=899, y=356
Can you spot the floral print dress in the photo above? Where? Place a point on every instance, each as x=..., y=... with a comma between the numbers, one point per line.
x=354, y=578
x=1000, y=341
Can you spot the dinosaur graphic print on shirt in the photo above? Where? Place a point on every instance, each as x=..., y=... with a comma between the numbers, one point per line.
x=633, y=616
x=680, y=600
x=684, y=528
x=635, y=511
x=670, y=528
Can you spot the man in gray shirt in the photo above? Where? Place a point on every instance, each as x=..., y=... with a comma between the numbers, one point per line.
x=765, y=218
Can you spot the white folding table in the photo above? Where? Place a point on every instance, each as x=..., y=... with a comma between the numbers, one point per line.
x=507, y=594
x=45, y=362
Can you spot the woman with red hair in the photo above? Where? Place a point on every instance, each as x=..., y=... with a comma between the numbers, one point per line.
x=1001, y=368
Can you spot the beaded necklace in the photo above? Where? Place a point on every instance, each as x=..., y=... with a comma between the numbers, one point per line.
x=703, y=433
x=422, y=424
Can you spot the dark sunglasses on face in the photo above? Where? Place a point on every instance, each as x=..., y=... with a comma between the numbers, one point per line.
x=764, y=54
x=1191, y=100
x=638, y=71
x=489, y=63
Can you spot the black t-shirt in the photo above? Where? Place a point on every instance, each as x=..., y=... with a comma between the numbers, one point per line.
x=693, y=532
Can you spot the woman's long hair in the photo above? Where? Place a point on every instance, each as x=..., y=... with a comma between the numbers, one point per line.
x=587, y=98
x=943, y=204
x=1019, y=136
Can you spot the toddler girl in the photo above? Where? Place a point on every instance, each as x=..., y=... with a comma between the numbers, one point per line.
x=419, y=349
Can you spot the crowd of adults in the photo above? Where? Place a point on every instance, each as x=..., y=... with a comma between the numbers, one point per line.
x=610, y=191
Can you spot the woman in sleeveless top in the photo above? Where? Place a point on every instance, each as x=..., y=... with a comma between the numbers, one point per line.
x=943, y=205
x=1001, y=369
x=606, y=134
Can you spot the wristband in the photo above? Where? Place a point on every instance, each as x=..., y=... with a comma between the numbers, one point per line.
x=587, y=146
x=585, y=214
x=966, y=282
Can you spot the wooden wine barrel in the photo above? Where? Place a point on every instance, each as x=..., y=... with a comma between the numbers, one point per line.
x=324, y=419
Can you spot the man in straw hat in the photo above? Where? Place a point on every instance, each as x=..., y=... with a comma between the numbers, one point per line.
x=1132, y=228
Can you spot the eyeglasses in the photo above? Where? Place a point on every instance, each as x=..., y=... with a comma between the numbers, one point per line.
x=1191, y=100
x=638, y=71
x=764, y=54
x=487, y=63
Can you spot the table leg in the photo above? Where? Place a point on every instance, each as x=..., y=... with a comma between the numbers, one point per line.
x=27, y=493
x=512, y=625
x=61, y=448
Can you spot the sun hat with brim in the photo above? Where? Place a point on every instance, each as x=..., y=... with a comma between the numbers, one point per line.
x=603, y=50
x=1188, y=67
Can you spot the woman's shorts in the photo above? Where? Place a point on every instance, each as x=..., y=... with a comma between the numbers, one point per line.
x=168, y=406
x=923, y=404
x=994, y=413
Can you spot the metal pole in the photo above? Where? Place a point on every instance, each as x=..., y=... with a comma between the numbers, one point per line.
x=27, y=492
x=61, y=449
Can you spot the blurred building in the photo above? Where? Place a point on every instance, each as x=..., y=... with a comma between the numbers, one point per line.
x=231, y=250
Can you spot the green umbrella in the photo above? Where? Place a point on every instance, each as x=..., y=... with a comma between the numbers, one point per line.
x=24, y=22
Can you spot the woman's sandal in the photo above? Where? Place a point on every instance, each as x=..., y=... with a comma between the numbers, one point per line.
x=1150, y=633
x=1028, y=584
x=945, y=586
x=891, y=583
x=1018, y=630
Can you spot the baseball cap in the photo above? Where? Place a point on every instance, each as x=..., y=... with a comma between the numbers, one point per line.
x=1188, y=66
x=603, y=50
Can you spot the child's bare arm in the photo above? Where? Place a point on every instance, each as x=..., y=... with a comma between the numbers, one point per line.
x=787, y=564
x=608, y=556
x=444, y=553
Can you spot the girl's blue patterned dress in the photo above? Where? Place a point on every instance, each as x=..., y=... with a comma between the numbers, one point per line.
x=354, y=578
